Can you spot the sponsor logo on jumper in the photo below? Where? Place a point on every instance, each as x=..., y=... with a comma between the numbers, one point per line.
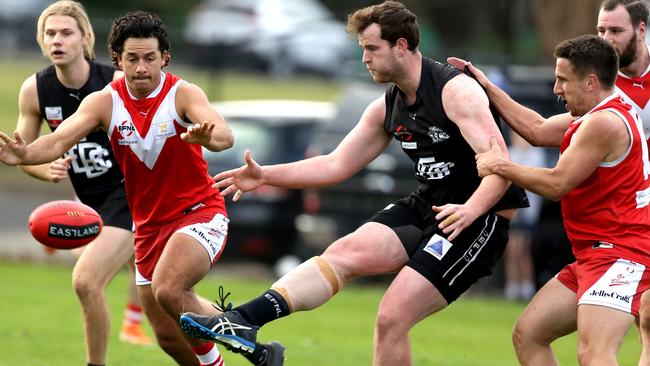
x=54, y=116
x=613, y=295
x=273, y=301
x=619, y=280
x=126, y=128
x=430, y=170
x=602, y=245
x=437, y=135
x=402, y=134
x=207, y=240
x=69, y=232
x=639, y=85
x=643, y=198
x=412, y=115
x=125, y=142
x=163, y=130
x=409, y=145
x=75, y=96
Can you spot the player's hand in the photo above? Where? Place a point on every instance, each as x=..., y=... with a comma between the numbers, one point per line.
x=454, y=218
x=240, y=180
x=12, y=151
x=199, y=133
x=58, y=169
x=461, y=64
x=486, y=162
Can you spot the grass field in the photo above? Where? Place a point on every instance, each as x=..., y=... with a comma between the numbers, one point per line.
x=40, y=325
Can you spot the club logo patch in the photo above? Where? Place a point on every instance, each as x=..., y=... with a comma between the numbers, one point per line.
x=437, y=135
x=437, y=246
x=54, y=116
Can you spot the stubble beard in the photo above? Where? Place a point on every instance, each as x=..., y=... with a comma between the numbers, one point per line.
x=629, y=52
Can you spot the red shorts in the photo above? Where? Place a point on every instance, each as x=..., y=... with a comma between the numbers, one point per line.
x=208, y=225
x=607, y=281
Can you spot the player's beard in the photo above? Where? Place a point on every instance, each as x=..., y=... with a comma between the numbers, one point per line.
x=627, y=55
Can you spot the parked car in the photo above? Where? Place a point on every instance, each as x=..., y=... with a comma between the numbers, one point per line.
x=276, y=131
x=18, y=22
x=280, y=36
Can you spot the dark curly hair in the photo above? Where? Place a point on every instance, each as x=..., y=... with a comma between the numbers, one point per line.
x=136, y=24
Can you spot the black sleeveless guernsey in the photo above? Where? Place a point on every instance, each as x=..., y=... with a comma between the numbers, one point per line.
x=444, y=163
x=93, y=170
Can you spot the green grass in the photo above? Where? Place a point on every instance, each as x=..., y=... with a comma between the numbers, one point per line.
x=41, y=325
x=217, y=85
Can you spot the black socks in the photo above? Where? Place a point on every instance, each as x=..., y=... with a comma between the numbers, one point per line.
x=263, y=309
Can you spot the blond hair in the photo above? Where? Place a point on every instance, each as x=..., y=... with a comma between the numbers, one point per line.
x=72, y=9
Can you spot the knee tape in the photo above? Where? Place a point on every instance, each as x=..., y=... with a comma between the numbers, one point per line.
x=310, y=284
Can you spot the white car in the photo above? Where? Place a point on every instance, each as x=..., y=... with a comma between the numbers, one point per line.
x=281, y=36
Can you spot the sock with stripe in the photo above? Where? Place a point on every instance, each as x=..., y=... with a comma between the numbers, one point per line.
x=133, y=314
x=208, y=354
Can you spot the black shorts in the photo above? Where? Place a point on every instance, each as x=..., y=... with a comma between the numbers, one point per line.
x=452, y=267
x=112, y=207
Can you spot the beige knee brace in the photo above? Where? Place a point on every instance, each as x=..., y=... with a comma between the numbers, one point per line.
x=310, y=284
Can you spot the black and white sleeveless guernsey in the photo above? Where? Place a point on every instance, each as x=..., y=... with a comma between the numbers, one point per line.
x=94, y=171
x=444, y=163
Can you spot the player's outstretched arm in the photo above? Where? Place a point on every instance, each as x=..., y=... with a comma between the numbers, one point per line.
x=12, y=151
x=209, y=129
x=94, y=111
x=530, y=125
x=359, y=147
x=240, y=180
x=603, y=138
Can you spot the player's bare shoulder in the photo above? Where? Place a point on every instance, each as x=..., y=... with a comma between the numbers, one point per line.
x=607, y=130
x=462, y=87
x=189, y=97
x=28, y=96
x=607, y=122
x=188, y=91
x=375, y=112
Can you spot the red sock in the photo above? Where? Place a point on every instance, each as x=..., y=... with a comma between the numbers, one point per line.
x=208, y=354
x=133, y=314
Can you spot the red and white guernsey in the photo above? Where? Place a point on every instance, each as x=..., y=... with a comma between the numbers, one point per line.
x=611, y=205
x=164, y=175
x=636, y=91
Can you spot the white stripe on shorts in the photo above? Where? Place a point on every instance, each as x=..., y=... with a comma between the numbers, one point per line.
x=472, y=256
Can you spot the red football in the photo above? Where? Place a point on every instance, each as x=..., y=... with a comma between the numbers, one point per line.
x=64, y=224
